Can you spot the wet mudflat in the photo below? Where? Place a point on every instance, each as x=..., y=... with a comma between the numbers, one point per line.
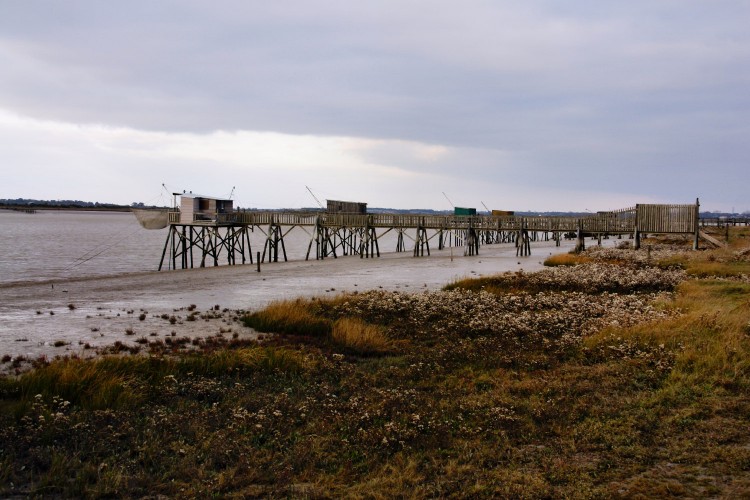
x=63, y=316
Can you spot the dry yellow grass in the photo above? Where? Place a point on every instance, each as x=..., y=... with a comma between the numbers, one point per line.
x=359, y=337
x=288, y=316
x=566, y=259
x=719, y=262
x=711, y=334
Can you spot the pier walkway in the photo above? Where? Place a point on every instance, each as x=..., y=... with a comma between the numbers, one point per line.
x=224, y=237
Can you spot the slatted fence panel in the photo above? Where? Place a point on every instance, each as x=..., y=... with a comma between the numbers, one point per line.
x=666, y=218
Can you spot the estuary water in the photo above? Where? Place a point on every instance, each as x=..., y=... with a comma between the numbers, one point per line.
x=74, y=281
x=53, y=245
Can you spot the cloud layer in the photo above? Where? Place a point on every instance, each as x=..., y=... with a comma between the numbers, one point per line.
x=540, y=104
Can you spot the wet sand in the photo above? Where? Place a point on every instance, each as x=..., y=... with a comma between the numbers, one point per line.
x=35, y=317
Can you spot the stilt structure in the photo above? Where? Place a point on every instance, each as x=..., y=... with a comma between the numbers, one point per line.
x=422, y=242
x=523, y=244
x=206, y=231
x=206, y=245
x=274, y=241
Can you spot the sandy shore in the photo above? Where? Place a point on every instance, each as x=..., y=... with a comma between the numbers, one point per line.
x=62, y=317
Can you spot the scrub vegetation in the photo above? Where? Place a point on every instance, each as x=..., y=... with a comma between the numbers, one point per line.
x=625, y=374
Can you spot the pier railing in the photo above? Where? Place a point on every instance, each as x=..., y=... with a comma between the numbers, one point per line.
x=609, y=222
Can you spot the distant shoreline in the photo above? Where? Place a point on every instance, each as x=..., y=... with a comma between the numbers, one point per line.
x=22, y=208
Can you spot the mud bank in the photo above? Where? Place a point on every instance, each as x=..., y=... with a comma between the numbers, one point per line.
x=64, y=316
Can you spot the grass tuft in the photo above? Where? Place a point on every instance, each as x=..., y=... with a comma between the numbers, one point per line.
x=358, y=337
x=566, y=259
x=291, y=317
x=92, y=384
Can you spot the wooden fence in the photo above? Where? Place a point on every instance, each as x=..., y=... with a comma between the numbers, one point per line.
x=667, y=218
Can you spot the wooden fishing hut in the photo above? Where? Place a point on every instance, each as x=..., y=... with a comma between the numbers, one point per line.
x=195, y=208
x=345, y=207
x=463, y=211
x=206, y=226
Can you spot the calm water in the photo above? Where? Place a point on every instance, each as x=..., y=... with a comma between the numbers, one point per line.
x=52, y=245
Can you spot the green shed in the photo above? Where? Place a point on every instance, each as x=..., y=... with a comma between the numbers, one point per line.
x=464, y=211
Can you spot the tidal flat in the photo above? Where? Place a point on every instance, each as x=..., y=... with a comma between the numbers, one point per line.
x=35, y=316
x=623, y=373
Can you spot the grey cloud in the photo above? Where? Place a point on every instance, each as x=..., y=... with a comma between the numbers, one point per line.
x=566, y=93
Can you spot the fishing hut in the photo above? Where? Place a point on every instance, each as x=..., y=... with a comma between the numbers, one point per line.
x=202, y=229
x=199, y=208
x=345, y=207
x=463, y=211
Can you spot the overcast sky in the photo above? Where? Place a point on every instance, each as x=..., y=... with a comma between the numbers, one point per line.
x=534, y=105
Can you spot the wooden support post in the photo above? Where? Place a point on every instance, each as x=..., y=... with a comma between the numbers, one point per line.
x=637, y=232
x=421, y=242
x=184, y=248
x=315, y=239
x=369, y=246
x=173, y=249
x=580, y=240
x=166, y=243
x=471, y=246
x=697, y=226
x=523, y=245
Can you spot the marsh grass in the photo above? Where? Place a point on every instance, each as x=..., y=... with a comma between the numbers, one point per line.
x=118, y=382
x=651, y=405
x=244, y=360
x=354, y=335
x=566, y=259
x=91, y=384
x=716, y=263
x=291, y=317
x=304, y=318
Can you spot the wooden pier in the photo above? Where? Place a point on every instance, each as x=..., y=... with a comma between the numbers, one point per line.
x=24, y=210
x=219, y=235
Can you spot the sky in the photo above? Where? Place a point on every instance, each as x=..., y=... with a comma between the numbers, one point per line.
x=534, y=105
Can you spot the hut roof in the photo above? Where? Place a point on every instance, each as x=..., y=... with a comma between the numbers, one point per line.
x=205, y=197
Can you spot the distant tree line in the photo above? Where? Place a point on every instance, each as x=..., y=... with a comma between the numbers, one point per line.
x=69, y=204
